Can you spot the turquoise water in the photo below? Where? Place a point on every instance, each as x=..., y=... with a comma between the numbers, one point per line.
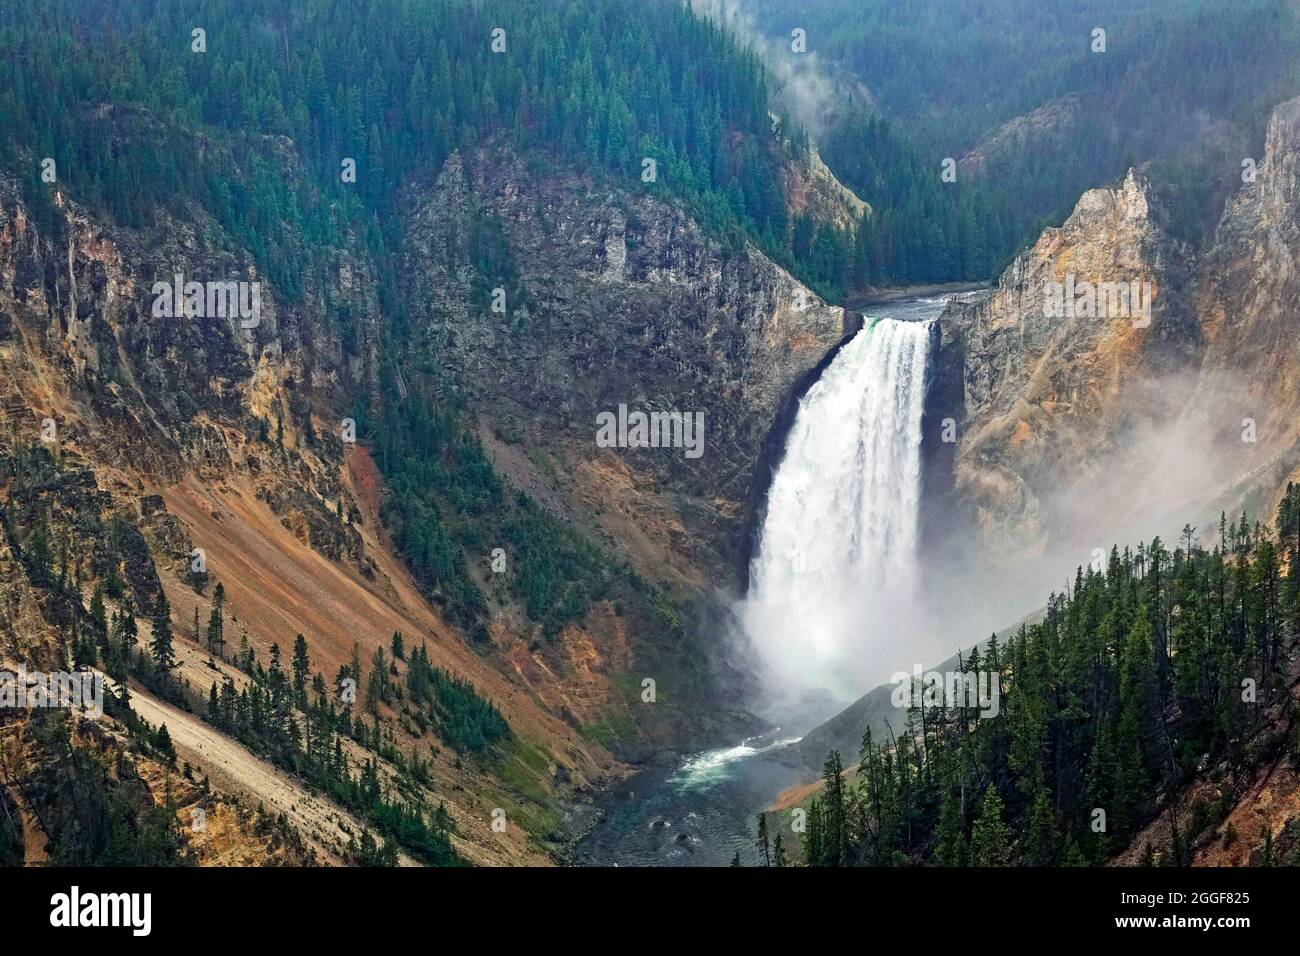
x=697, y=814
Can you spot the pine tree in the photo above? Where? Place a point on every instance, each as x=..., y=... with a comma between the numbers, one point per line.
x=779, y=857
x=1042, y=829
x=160, y=646
x=813, y=846
x=833, y=817
x=163, y=744
x=1137, y=722
x=98, y=614
x=301, y=668
x=116, y=668
x=216, y=631
x=762, y=842
x=950, y=842
x=990, y=837
x=379, y=690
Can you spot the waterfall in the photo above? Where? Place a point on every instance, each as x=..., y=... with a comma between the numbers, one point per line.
x=836, y=570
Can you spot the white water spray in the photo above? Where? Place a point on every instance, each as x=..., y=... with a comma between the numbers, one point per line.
x=835, y=575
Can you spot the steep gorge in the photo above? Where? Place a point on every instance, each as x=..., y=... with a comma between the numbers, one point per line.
x=176, y=434
x=613, y=296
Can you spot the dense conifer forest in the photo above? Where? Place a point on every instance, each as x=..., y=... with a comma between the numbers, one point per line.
x=942, y=77
x=1165, y=665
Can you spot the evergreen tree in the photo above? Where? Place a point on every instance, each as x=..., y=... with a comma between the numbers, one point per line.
x=950, y=842
x=301, y=669
x=762, y=842
x=990, y=838
x=98, y=614
x=160, y=645
x=833, y=815
x=216, y=636
x=163, y=744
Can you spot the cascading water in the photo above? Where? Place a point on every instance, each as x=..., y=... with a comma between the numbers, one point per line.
x=836, y=570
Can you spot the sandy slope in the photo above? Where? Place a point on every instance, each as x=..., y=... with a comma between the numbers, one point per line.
x=232, y=768
x=277, y=587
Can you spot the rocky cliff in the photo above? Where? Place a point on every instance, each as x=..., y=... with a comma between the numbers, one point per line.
x=1247, y=302
x=1045, y=395
x=1054, y=407
x=612, y=296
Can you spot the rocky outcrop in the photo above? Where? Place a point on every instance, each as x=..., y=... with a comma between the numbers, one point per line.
x=813, y=190
x=1247, y=302
x=1046, y=125
x=1045, y=394
x=1202, y=399
x=141, y=399
x=611, y=296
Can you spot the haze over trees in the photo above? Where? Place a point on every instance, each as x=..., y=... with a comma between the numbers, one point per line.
x=1137, y=680
x=1187, y=84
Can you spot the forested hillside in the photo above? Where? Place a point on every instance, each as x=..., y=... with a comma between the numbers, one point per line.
x=1166, y=668
x=1188, y=83
x=256, y=130
x=394, y=86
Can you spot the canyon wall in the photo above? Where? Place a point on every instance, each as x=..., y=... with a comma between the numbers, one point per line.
x=612, y=297
x=1061, y=413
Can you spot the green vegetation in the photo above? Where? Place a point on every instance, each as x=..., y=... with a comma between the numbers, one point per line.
x=1134, y=682
x=94, y=807
x=395, y=86
x=255, y=132
x=447, y=507
x=924, y=229
x=1186, y=83
x=464, y=719
x=274, y=715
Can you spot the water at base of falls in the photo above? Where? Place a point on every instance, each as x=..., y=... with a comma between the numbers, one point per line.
x=697, y=814
x=836, y=570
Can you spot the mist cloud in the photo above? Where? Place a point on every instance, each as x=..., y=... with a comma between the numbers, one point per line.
x=803, y=88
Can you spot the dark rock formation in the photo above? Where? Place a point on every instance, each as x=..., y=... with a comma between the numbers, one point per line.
x=613, y=296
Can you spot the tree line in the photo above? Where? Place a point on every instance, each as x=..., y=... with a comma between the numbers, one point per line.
x=1143, y=676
